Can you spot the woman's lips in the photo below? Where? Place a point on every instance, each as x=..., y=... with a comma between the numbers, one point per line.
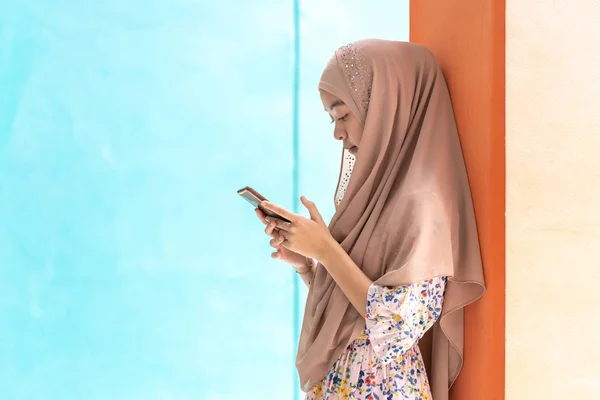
x=353, y=150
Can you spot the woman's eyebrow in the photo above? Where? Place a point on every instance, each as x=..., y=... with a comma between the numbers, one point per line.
x=335, y=104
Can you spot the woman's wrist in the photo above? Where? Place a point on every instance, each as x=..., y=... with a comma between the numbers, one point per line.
x=304, y=268
x=330, y=250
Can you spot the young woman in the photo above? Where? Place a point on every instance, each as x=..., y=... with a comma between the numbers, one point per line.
x=401, y=255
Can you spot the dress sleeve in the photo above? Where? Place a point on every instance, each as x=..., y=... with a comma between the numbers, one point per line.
x=398, y=317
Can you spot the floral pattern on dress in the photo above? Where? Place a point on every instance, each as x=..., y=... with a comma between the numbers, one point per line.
x=385, y=363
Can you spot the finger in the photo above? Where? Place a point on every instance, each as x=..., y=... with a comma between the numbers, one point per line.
x=281, y=225
x=271, y=230
x=286, y=240
x=279, y=210
x=315, y=215
x=261, y=215
x=276, y=242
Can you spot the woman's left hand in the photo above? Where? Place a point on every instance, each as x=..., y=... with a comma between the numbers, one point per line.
x=309, y=237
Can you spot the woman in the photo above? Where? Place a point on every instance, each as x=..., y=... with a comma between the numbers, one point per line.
x=401, y=254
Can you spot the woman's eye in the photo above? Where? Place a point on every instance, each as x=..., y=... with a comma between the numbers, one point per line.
x=345, y=117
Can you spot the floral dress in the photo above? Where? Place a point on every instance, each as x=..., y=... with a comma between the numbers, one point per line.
x=385, y=363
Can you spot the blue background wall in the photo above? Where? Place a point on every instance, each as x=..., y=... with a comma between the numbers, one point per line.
x=129, y=268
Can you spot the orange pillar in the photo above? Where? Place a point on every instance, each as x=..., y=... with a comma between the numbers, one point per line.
x=467, y=36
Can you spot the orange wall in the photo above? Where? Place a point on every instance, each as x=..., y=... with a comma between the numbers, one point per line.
x=468, y=38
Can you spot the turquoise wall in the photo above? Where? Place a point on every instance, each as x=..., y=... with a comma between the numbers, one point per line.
x=129, y=268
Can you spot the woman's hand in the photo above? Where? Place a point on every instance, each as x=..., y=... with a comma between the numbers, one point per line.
x=311, y=238
x=308, y=237
x=298, y=261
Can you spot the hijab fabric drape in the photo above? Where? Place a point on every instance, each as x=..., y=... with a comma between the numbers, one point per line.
x=406, y=213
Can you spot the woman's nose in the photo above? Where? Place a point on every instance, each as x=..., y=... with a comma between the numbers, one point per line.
x=339, y=134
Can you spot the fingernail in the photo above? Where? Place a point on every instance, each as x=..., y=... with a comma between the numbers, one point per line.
x=268, y=219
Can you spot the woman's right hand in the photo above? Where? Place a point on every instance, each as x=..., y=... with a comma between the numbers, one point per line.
x=296, y=260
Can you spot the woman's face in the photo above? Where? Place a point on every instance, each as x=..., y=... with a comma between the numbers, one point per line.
x=347, y=127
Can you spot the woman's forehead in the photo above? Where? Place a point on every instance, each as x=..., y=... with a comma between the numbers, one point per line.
x=330, y=101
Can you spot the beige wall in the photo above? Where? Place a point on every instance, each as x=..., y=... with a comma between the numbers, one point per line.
x=553, y=199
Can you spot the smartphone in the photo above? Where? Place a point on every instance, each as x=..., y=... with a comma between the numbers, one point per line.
x=255, y=198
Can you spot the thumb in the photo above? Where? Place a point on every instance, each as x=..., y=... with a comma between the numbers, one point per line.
x=312, y=210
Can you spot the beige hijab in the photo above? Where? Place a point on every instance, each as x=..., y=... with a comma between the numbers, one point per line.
x=405, y=212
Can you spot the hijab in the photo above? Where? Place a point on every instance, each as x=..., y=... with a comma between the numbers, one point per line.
x=404, y=211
